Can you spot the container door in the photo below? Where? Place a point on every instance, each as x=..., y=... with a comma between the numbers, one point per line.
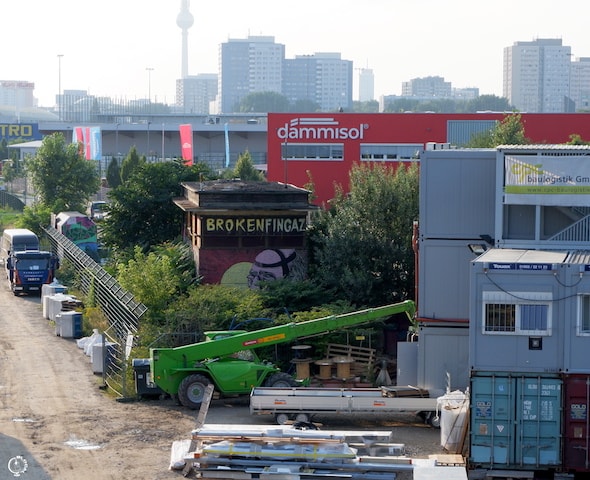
x=491, y=420
x=516, y=421
x=538, y=422
x=576, y=441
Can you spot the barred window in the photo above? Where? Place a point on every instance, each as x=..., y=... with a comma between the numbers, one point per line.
x=500, y=317
x=518, y=313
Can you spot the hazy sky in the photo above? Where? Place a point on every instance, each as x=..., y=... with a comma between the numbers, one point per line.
x=107, y=45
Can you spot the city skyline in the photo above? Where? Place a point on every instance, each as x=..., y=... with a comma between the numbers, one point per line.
x=132, y=49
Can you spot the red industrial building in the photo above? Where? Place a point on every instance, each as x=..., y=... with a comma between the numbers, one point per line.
x=320, y=149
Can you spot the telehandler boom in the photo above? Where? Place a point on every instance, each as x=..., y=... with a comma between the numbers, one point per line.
x=228, y=361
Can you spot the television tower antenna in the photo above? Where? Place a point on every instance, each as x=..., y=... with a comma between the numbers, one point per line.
x=185, y=21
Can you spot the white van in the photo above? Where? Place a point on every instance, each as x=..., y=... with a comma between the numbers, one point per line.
x=17, y=240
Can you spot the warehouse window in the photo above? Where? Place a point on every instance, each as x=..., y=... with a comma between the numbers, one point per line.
x=516, y=313
x=312, y=151
x=584, y=315
x=385, y=152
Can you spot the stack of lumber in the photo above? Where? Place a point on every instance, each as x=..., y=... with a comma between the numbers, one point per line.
x=286, y=453
x=408, y=391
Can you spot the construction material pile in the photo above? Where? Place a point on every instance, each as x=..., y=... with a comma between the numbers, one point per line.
x=289, y=453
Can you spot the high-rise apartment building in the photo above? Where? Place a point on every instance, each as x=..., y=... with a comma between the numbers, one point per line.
x=427, y=87
x=246, y=66
x=194, y=93
x=537, y=76
x=366, y=85
x=580, y=83
x=322, y=78
x=17, y=93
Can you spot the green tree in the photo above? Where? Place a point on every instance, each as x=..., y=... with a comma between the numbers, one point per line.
x=63, y=179
x=113, y=173
x=510, y=131
x=304, y=106
x=245, y=169
x=141, y=210
x=34, y=217
x=488, y=102
x=214, y=307
x=157, y=278
x=576, y=139
x=371, y=106
x=264, y=102
x=362, y=247
x=131, y=164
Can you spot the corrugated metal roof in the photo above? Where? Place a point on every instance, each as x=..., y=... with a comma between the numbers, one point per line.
x=511, y=255
x=544, y=147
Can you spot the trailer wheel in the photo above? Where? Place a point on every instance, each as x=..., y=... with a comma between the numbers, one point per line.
x=192, y=390
x=282, y=418
x=280, y=380
x=302, y=418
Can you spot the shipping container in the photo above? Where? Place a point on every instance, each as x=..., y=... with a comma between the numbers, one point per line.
x=576, y=442
x=458, y=182
x=443, y=267
x=514, y=309
x=516, y=421
x=443, y=357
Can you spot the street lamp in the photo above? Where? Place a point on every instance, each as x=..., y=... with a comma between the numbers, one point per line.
x=59, y=102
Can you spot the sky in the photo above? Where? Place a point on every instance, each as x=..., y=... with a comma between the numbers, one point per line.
x=107, y=46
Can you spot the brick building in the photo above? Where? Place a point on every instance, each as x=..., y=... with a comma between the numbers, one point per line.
x=244, y=232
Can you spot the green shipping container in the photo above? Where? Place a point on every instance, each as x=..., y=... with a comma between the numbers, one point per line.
x=515, y=421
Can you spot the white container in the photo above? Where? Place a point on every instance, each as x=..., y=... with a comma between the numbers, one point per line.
x=454, y=409
x=58, y=321
x=70, y=324
x=99, y=352
x=53, y=288
x=55, y=303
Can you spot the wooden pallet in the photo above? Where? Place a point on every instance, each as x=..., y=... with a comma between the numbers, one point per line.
x=363, y=358
x=448, y=460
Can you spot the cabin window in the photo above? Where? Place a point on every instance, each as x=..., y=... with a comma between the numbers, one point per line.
x=516, y=313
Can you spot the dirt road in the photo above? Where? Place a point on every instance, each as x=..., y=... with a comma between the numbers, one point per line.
x=56, y=423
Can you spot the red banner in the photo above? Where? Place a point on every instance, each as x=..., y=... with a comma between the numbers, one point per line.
x=186, y=143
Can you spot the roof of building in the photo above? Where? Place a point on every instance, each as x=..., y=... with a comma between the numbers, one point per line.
x=236, y=194
x=9, y=113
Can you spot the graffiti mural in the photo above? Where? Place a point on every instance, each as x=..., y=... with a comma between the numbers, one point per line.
x=268, y=265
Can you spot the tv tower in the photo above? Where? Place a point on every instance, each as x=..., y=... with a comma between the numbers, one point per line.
x=185, y=21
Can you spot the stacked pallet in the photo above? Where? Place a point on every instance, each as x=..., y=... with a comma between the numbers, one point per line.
x=287, y=453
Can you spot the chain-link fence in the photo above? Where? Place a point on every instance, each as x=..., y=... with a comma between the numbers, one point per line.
x=121, y=310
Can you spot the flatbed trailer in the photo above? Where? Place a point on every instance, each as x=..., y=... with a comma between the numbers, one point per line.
x=300, y=404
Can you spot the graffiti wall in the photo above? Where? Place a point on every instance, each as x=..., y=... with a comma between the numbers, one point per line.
x=80, y=229
x=249, y=267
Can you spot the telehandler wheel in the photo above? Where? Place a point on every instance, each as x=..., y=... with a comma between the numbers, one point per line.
x=280, y=380
x=192, y=390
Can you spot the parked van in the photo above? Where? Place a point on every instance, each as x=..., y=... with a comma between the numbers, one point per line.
x=17, y=240
x=97, y=210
